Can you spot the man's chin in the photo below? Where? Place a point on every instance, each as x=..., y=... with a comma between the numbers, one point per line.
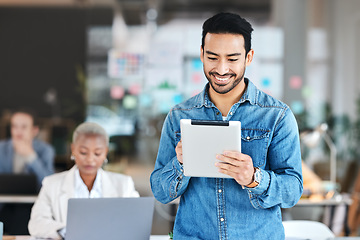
x=221, y=89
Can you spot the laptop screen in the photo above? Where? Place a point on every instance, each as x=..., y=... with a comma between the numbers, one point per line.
x=18, y=184
x=109, y=218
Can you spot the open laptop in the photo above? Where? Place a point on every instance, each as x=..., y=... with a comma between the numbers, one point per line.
x=109, y=218
x=18, y=184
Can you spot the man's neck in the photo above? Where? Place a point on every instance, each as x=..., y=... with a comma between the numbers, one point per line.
x=224, y=102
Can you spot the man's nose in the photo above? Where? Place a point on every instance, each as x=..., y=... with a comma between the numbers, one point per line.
x=222, y=67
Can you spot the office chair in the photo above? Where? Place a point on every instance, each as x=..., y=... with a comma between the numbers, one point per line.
x=304, y=229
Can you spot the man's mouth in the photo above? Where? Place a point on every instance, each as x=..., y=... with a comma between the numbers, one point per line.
x=222, y=78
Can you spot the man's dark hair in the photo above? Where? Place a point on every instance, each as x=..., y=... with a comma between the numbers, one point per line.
x=228, y=23
x=28, y=111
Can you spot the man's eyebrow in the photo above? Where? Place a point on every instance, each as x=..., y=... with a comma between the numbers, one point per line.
x=233, y=54
x=212, y=53
x=229, y=55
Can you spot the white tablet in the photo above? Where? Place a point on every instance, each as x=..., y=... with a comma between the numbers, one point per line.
x=202, y=140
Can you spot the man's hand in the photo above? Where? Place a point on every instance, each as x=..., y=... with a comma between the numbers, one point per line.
x=23, y=147
x=179, y=153
x=237, y=165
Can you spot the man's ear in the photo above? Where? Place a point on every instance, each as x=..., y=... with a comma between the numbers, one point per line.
x=249, y=57
x=202, y=54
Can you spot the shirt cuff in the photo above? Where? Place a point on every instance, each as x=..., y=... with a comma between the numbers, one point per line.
x=263, y=185
x=178, y=166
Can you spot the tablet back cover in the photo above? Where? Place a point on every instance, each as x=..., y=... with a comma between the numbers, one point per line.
x=202, y=140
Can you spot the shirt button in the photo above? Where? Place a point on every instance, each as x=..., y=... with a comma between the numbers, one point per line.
x=248, y=138
x=231, y=113
x=217, y=113
x=220, y=190
x=221, y=219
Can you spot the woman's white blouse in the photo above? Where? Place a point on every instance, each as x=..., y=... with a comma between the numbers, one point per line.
x=81, y=190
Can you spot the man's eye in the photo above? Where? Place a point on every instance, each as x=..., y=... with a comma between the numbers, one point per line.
x=83, y=153
x=233, y=60
x=212, y=59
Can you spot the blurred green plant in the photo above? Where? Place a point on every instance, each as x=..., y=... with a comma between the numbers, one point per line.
x=344, y=131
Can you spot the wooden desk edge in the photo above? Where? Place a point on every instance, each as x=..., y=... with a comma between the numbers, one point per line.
x=326, y=202
x=18, y=198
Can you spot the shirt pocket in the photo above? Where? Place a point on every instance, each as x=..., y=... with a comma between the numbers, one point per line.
x=254, y=142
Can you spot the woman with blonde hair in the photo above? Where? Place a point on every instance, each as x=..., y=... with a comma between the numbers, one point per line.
x=85, y=180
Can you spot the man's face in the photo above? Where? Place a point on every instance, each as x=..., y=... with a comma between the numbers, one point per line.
x=224, y=59
x=22, y=127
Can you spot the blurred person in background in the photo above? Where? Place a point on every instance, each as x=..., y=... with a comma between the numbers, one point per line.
x=265, y=177
x=23, y=153
x=86, y=179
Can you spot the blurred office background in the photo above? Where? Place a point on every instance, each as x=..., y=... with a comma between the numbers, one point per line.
x=125, y=63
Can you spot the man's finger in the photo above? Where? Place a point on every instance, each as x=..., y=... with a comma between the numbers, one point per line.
x=228, y=160
x=237, y=155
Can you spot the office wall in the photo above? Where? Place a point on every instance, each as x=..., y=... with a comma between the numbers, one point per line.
x=43, y=54
x=345, y=36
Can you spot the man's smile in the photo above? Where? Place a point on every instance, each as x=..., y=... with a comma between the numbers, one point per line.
x=222, y=79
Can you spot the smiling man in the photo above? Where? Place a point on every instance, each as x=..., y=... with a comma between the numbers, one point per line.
x=265, y=176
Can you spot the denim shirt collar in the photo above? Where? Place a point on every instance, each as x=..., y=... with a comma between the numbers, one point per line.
x=250, y=94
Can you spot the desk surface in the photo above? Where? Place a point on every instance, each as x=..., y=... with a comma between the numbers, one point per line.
x=17, y=198
x=164, y=237
x=152, y=237
x=340, y=200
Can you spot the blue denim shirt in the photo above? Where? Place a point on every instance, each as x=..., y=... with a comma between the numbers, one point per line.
x=220, y=208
